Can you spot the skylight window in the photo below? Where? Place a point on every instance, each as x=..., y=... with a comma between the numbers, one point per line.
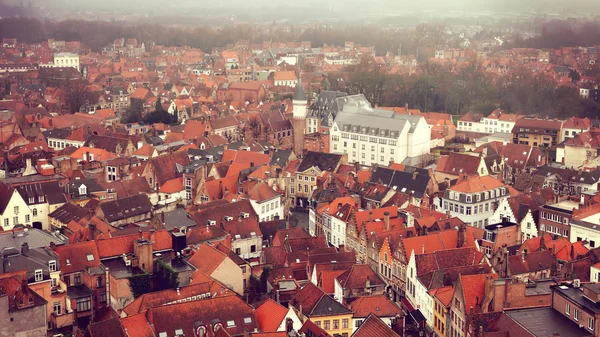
x=230, y=324
x=90, y=257
x=247, y=320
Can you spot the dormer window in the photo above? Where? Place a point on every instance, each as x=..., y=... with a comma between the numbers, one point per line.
x=52, y=265
x=39, y=275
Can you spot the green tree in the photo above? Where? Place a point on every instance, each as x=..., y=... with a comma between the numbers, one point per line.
x=574, y=75
x=166, y=277
x=158, y=105
x=133, y=113
x=140, y=284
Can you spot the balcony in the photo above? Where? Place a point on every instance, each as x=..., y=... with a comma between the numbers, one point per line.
x=64, y=320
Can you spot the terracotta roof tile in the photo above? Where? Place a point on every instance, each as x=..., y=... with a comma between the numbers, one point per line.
x=109, y=246
x=357, y=275
x=78, y=257
x=473, y=287
x=270, y=315
x=374, y=326
x=378, y=305
x=207, y=258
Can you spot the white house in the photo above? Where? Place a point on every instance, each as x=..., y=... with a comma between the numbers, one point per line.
x=62, y=60
x=416, y=293
x=375, y=136
x=473, y=199
x=586, y=229
x=266, y=202
x=15, y=210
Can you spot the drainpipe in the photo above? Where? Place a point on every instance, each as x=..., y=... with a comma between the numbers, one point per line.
x=107, y=284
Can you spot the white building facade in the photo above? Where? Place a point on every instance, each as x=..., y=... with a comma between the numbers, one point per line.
x=374, y=136
x=63, y=60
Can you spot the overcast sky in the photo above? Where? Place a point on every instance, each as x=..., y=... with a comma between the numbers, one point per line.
x=365, y=7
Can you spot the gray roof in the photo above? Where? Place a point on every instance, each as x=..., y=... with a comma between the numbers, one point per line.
x=299, y=94
x=34, y=237
x=51, y=192
x=357, y=116
x=177, y=219
x=126, y=207
x=38, y=258
x=545, y=321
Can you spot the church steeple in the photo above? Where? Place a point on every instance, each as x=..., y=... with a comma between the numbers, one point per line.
x=299, y=121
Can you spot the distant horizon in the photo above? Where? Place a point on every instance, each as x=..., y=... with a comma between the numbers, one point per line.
x=313, y=9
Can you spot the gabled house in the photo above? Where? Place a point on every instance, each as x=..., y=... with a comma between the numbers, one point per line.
x=210, y=261
x=85, y=278
x=311, y=303
x=13, y=208
x=22, y=310
x=359, y=280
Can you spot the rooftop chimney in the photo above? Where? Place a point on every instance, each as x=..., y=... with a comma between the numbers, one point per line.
x=25, y=249
x=386, y=219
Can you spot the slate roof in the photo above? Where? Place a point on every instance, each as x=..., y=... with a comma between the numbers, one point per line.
x=324, y=161
x=34, y=237
x=126, y=207
x=402, y=181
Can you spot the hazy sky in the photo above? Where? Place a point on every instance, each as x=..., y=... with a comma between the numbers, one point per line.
x=358, y=7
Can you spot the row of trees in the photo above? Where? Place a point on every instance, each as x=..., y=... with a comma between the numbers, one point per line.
x=135, y=111
x=97, y=34
x=439, y=88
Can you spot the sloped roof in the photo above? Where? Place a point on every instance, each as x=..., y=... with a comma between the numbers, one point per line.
x=78, y=257
x=270, y=314
x=374, y=326
x=357, y=276
x=207, y=258
x=378, y=305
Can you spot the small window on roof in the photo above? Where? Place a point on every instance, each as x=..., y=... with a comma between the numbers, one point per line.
x=247, y=320
x=68, y=262
x=90, y=257
x=231, y=323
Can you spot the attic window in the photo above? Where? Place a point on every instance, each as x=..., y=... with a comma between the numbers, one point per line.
x=231, y=323
x=90, y=257
x=162, y=334
x=247, y=320
x=68, y=262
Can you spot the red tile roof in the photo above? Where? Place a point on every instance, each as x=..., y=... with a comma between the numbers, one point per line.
x=327, y=278
x=270, y=315
x=78, y=257
x=109, y=246
x=168, y=318
x=475, y=184
x=172, y=186
x=137, y=326
x=473, y=287
x=457, y=163
x=357, y=276
x=374, y=326
x=443, y=294
x=378, y=305
x=262, y=192
x=207, y=258
x=158, y=298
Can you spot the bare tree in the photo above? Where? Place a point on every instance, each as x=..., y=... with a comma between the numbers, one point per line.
x=75, y=95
